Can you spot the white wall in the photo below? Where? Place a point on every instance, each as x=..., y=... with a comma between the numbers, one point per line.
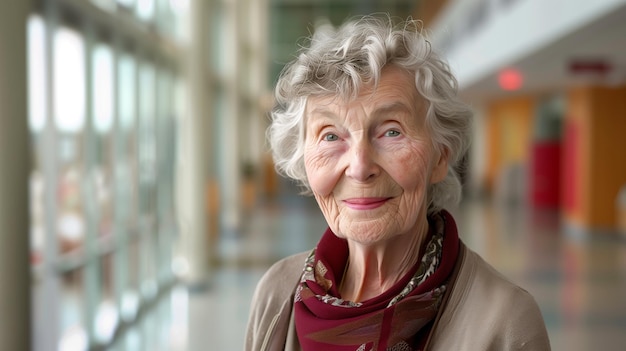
x=510, y=29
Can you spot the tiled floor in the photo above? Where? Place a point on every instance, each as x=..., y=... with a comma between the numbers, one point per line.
x=580, y=284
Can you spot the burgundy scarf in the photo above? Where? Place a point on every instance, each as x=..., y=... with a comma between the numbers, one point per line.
x=398, y=319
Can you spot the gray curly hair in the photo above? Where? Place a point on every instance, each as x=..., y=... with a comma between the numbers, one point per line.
x=339, y=62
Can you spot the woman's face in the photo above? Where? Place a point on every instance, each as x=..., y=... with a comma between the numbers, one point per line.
x=369, y=161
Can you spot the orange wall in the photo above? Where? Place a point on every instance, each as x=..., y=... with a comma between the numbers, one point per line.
x=599, y=115
x=509, y=123
x=608, y=153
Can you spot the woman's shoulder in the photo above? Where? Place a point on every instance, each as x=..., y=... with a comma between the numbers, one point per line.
x=488, y=311
x=475, y=266
x=482, y=278
x=486, y=287
x=272, y=302
x=281, y=278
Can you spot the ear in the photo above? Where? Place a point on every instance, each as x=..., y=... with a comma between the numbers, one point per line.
x=440, y=167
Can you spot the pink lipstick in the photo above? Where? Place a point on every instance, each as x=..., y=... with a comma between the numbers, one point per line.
x=365, y=203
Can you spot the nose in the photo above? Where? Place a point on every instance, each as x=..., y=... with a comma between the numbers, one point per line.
x=362, y=164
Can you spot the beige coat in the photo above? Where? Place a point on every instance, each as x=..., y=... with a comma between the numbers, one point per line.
x=483, y=311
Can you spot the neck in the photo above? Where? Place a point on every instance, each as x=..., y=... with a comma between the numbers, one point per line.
x=372, y=269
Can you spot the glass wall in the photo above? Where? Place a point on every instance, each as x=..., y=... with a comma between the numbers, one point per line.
x=103, y=129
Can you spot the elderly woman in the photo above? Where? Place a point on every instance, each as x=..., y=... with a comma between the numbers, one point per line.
x=368, y=121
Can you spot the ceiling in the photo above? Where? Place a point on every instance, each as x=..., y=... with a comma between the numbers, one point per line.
x=548, y=69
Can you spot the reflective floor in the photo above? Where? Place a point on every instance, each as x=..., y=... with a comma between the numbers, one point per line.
x=579, y=282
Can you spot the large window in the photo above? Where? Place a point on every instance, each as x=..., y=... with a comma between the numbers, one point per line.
x=103, y=133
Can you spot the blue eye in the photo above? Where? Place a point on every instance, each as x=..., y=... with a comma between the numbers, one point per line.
x=392, y=133
x=330, y=137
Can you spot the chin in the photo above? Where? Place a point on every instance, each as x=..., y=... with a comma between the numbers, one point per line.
x=366, y=233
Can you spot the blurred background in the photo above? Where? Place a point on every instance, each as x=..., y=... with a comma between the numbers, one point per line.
x=138, y=201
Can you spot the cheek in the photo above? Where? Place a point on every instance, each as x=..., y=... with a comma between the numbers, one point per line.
x=322, y=169
x=411, y=168
x=412, y=173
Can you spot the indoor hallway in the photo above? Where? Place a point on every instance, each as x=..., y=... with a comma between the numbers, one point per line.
x=578, y=283
x=130, y=128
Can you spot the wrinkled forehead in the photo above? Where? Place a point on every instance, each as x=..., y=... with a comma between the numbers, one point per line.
x=395, y=90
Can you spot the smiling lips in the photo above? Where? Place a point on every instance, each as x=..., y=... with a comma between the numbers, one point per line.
x=366, y=203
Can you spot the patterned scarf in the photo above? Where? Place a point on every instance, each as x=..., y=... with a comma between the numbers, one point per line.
x=398, y=319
